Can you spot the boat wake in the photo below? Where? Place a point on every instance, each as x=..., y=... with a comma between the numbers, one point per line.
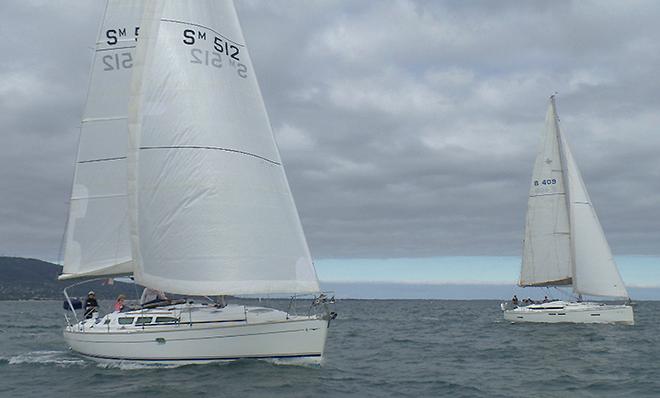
x=302, y=362
x=132, y=365
x=61, y=359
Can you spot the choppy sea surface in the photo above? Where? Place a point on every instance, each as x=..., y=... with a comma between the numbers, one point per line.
x=375, y=348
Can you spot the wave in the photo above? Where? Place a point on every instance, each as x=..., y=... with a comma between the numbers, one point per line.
x=58, y=358
x=132, y=365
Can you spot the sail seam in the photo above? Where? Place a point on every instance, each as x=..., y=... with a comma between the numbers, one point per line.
x=547, y=194
x=103, y=119
x=213, y=148
x=114, y=48
x=101, y=160
x=117, y=195
x=205, y=27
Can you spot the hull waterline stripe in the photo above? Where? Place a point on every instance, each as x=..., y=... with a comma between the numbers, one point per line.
x=212, y=148
x=311, y=355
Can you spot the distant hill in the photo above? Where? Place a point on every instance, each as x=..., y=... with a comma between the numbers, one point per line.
x=28, y=278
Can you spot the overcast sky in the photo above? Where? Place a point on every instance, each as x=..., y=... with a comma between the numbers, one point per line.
x=407, y=128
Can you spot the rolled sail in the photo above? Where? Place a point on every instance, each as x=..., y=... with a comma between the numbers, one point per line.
x=210, y=207
x=97, y=239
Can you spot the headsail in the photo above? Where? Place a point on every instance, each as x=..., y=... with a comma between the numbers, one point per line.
x=596, y=273
x=97, y=240
x=546, y=249
x=210, y=206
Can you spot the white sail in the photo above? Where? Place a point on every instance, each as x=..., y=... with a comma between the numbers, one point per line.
x=546, y=249
x=595, y=270
x=210, y=206
x=97, y=239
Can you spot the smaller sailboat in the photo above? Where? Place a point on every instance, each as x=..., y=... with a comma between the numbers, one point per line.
x=564, y=242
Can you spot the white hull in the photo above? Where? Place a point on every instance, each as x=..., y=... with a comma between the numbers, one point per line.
x=208, y=335
x=565, y=312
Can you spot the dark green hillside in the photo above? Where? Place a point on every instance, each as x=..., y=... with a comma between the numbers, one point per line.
x=28, y=278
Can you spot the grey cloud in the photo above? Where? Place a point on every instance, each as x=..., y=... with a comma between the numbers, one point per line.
x=408, y=128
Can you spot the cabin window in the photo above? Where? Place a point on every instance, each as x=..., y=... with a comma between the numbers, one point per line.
x=107, y=321
x=125, y=321
x=143, y=320
x=166, y=319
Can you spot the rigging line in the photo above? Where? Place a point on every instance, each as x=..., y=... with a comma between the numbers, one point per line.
x=213, y=148
x=202, y=26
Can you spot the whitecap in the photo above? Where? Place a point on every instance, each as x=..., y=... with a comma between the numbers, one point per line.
x=57, y=358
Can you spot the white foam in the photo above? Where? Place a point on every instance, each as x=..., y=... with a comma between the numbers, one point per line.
x=57, y=358
x=314, y=362
x=133, y=365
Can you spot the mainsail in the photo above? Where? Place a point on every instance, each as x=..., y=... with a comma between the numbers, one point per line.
x=210, y=207
x=546, y=248
x=564, y=241
x=97, y=239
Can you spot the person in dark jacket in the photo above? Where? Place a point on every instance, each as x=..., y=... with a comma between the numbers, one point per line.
x=91, y=305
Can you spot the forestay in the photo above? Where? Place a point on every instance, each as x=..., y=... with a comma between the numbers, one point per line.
x=97, y=240
x=210, y=206
x=546, y=248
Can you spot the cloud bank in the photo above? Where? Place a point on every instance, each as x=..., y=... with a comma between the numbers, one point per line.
x=407, y=128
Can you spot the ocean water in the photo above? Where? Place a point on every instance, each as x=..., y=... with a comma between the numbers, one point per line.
x=376, y=348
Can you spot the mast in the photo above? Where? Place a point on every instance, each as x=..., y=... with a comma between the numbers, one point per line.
x=562, y=156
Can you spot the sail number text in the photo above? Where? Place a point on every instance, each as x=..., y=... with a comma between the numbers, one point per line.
x=113, y=36
x=212, y=58
x=222, y=46
x=549, y=181
x=221, y=53
x=117, y=61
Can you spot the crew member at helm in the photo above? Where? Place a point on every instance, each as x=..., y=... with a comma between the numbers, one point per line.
x=91, y=305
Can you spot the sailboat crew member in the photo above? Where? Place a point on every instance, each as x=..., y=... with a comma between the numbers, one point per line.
x=151, y=296
x=119, y=304
x=91, y=305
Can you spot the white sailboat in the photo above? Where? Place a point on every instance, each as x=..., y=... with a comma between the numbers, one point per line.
x=564, y=243
x=179, y=183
